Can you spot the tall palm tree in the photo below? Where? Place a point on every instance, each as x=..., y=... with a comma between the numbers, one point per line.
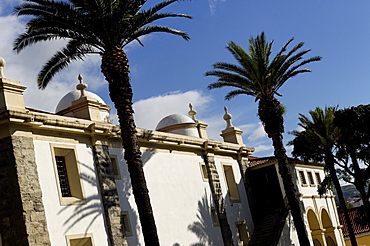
x=102, y=27
x=257, y=76
x=317, y=142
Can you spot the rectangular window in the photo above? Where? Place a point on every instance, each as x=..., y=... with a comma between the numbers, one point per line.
x=231, y=184
x=80, y=240
x=63, y=176
x=67, y=174
x=214, y=217
x=310, y=178
x=318, y=179
x=116, y=171
x=303, y=178
x=126, y=223
x=203, y=170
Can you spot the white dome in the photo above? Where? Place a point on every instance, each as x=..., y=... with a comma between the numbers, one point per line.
x=67, y=100
x=178, y=124
x=173, y=119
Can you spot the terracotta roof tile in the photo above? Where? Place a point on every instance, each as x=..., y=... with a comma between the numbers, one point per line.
x=257, y=161
x=354, y=213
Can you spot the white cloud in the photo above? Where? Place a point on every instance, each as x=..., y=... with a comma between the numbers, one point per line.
x=212, y=5
x=216, y=124
x=149, y=112
x=299, y=129
x=289, y=149
x=25, y=66
x=254, y=131
x=263, y=150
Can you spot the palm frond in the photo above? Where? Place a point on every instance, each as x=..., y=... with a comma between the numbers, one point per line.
x=256, y=72
x=235, y=93
x=152, y=29
x=61, y=59
x=98, y=24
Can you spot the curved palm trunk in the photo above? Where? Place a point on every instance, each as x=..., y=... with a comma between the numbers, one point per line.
x=270, y=113
x=330, y=163
x=115, y=68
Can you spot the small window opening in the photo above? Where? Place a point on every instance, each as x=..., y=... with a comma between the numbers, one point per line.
x=310, y=178
x=302, y=177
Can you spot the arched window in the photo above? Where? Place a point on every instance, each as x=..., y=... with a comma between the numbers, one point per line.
x=312, y=220
x=316, y=242
x=325, y=218
x=315, y=228
x=330, y=241
x=329, y=228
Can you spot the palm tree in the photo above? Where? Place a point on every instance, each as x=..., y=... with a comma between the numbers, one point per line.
x=317, y=142
x=102, y=27
x=261, y=78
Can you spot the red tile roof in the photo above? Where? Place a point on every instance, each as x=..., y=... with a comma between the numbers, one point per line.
x=259, y=161
x=353, y=213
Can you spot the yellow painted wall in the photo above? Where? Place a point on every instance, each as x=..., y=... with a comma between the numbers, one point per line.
x=361, y=241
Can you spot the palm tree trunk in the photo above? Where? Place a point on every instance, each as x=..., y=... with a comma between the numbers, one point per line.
x=115, y=68
x=330, y=163
x=270, y=112
x=290, y=191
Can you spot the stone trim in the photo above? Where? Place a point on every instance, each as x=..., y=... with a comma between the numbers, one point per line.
x=56, y=123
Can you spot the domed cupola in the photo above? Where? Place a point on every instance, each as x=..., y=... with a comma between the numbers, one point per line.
x=178, y=124
x=182, y=124
x=83, y=104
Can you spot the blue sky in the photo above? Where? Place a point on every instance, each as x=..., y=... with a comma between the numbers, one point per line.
x=168, y=72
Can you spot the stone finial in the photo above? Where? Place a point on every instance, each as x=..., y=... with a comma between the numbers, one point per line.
x=227, y=118
x=231, y=134
x=192, y=112
x=81, y=86
x=2, y=65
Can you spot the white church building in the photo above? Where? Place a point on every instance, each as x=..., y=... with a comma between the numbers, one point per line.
x=64, y=182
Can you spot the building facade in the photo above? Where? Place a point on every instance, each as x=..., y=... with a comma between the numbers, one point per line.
x=64, y=181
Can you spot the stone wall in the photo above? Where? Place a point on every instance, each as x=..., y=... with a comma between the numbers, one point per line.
x=219, y=203
x=22, y=215
x=109, y=194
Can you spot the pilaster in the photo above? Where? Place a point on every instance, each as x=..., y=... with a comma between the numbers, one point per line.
x=22, y=214
x=11, y=95
x=219, y=203
x=109, y=195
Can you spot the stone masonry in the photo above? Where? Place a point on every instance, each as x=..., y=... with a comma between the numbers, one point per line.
x=214, y=182
x=22, y=215
x=109, y=193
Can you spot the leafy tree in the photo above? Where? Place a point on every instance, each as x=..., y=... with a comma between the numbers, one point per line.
x=317, y=142
x=258, y=76
x=354, y=149
x=102, y=27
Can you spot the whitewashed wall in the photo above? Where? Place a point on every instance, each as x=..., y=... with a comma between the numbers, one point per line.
x=180, y=199
x=71, y=219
